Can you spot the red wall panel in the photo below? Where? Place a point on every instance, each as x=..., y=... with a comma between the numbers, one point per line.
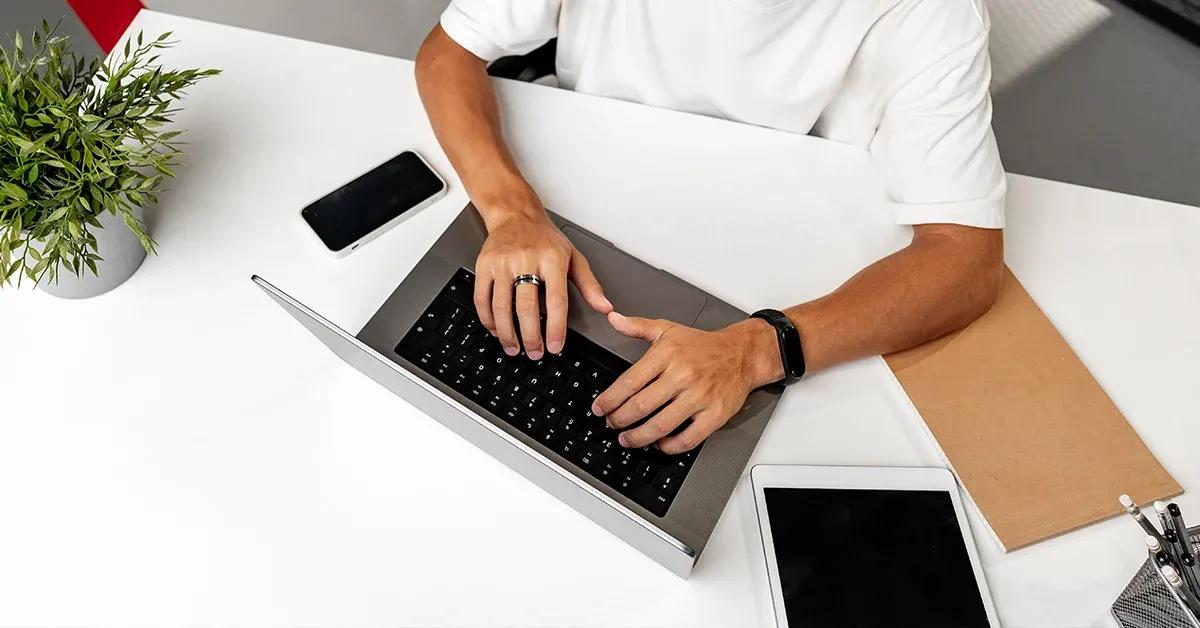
x=106, y=20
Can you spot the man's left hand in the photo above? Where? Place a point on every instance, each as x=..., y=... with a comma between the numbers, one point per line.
x=686, y=373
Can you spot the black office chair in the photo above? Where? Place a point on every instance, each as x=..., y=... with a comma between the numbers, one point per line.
x=527, y=67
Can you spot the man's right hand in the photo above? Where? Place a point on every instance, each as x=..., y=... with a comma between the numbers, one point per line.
x=521, y=243
x=458, y=97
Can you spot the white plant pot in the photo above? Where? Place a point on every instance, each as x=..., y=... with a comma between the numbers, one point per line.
x=122, y=253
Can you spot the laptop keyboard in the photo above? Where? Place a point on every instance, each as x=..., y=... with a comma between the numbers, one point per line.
x=549, y=400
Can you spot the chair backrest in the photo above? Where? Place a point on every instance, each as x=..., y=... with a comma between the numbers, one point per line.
x=528, y=67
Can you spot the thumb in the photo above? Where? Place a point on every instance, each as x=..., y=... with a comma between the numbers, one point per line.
x=582, y=277
x=648, y=329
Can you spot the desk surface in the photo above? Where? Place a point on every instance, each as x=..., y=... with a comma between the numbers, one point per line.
x=179, y=451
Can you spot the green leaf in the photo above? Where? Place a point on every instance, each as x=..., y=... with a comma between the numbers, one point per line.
x=13, y=191
x=58, y=214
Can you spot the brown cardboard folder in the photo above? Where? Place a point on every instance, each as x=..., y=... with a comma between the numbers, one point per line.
x=1039, y=446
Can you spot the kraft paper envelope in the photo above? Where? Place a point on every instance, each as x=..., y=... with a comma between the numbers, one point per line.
x=1039, y=446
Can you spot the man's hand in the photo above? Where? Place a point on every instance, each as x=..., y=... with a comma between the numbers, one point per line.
x=528, y=243
x=458, y=97
x=688, y=373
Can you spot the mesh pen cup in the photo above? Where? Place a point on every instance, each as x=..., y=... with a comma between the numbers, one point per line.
x=1149, y=602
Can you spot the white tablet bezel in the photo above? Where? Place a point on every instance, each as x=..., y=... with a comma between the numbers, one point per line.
x=883, y=478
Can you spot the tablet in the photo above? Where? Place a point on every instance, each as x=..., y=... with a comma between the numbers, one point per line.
x=869, y=546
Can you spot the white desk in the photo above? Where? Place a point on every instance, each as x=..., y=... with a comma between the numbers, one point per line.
x=179, y=451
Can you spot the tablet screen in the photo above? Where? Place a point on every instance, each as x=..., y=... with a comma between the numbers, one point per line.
x=851, y=557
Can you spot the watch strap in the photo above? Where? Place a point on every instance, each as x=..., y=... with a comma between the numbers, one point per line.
x=791, y=351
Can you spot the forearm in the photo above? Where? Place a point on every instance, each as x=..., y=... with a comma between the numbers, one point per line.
x=462, y=108
x=946, y=278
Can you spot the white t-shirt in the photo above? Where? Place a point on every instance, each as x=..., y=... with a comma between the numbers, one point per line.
x=907, y=79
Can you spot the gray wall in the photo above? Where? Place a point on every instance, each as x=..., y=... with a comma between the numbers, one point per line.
x=26, y=15
x=382, y=26
x=1118, y=109
x=1086, y=91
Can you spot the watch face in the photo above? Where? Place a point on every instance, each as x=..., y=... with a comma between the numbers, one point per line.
x=794, y=360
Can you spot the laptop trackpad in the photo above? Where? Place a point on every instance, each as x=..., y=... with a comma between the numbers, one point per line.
x=635, y=289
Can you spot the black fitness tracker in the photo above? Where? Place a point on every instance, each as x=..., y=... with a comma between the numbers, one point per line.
x=790, y=349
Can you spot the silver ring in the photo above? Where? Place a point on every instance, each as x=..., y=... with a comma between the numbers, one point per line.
x=527, y=278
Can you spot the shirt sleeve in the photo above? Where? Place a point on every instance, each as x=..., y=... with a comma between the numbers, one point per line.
x=935, y=144
x=491, y=29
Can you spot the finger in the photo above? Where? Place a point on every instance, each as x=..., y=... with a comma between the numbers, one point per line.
x=530, y=321
x=645, y=402
x=581, y=275
x=502, y=297
x=657, y=427
x=703, y=425
x=556, y=308
x=648, y=329
x=628, y=384
x=483, y=299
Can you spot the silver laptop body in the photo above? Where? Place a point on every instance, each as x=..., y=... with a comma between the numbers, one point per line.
x=674, y=540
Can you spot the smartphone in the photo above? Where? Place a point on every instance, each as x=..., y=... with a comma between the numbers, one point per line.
x=357, y=212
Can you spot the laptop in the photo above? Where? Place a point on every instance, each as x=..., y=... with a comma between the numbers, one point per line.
x=426, y=345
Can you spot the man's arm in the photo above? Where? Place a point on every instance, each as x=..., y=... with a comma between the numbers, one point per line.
x=947, y=277
x=462, y=108
x=461, y=105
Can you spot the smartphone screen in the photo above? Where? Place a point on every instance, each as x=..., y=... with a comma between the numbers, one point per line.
x=369, y=202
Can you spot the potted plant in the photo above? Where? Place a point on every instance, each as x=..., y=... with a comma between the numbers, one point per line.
x=83, y=149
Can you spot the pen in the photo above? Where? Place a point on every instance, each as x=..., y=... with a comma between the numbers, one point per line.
x=1180, y=527
x=1173, y=579
x=1185, y=546
x=1161, y=508
x=1140, y=518
x=1156, y=551
x=1169, y=537
x=1187, y=567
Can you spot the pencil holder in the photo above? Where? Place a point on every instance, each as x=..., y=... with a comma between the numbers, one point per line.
x=1149, y=602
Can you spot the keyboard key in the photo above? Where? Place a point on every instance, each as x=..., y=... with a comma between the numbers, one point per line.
x=666, y=484
x=550, y=436
x=427, y=359
x=531, y=403
x=449, y=330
